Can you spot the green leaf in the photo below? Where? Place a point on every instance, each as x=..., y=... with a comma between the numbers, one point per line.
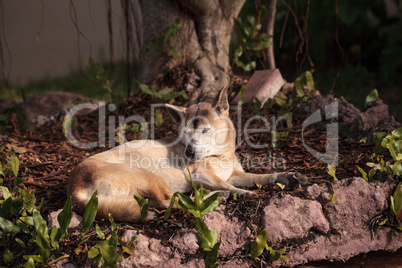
x=42, y=236
x=397, y=168
x=6, y=193
x=28, y=220
x=6, y=207
x=169, y=209
x=144, y=211
x=309, y=80
x=1, y=170
x=113, y=226
x=396, y=200
x=186, y=201
x=8, y=256
x=210, y=202
x=90, y=212
x=379, y=137
x=372, y=96
x=397, y=133
x=141, y=201
x=8, y=226
x=54, y=241
x=275, y=255
x=108, y=250
x=372, y=172
x=211, y=256
x=206, y=237
x=93, y=252
x=15, y=165
x=64, y=218
x=364, y=174
x=259, y=245
x=99, y=232
x=30, y=263
x=20, y=242
x=331, y=172
x=127, y=250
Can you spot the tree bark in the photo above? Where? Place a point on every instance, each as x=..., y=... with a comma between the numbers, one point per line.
x=269, y=25
x=203, y=39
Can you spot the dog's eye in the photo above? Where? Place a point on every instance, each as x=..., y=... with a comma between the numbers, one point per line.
x=205, y=130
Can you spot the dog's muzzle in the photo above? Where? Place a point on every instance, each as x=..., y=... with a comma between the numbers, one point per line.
x=191, y=154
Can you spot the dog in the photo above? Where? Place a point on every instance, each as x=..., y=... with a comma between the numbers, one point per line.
x=156, y=169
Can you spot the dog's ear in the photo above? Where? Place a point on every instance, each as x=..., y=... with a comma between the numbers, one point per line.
x=222, y=104
x=176, y=112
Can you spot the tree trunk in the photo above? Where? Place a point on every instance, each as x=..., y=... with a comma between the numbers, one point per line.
x=269, y=25
x=203, y=39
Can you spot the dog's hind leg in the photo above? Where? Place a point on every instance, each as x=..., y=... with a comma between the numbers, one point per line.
x=116, y=185
x=244, y=179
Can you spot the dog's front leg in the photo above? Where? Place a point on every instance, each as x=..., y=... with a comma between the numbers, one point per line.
x=243, y=179
x=212, y=182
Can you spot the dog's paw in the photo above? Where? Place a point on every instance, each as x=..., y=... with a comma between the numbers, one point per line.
x=291, y=179
x=243, y=193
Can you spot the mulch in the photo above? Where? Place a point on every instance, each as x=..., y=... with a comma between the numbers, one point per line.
x=47, y=159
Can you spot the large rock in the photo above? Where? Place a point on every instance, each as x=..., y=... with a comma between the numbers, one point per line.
x=358, y=202
x=231, y=232
x=375, y=119
x=263, y=85
x=347, y=112
x=291, y=217
x=46, y=107
x=316, y=229
x=52, y=219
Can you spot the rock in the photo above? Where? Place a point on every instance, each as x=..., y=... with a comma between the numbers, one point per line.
x=186, y=241
x=358, y=202
x=232, y=233
x=52, y=219
x=42, y=108
x=291, y=217
x=346, y=112
x=375, y=119
x=263, y=85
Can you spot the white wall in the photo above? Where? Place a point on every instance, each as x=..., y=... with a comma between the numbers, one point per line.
x=42, y=40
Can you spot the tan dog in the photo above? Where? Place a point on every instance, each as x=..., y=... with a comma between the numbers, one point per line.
x=156, y=169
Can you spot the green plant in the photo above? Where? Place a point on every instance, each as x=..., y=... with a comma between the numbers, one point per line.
x=199, y=208
x=161, y=42
x=332, y=171
x=88, y=217
x=100, y=77
x=393, y=143
x=372, y=96
x=252, y=41
x=257, y=248
x=105, y=251
x=164, y=95
x=143, y=203
x=20, y=218
x=396, y=205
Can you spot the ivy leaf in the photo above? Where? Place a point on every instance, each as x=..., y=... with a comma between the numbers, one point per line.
x=259, y=245
x=15, y=165
x=90, y=212
x=372, y=96
x=364, y=174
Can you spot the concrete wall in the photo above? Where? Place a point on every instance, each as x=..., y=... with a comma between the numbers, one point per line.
x=42, y=40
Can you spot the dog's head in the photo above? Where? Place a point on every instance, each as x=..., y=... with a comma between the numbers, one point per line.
x=205, y=130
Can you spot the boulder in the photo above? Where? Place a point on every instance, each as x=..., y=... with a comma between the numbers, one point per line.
x=263, y=85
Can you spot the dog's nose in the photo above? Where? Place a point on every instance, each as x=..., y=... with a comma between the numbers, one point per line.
x=190, y=152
